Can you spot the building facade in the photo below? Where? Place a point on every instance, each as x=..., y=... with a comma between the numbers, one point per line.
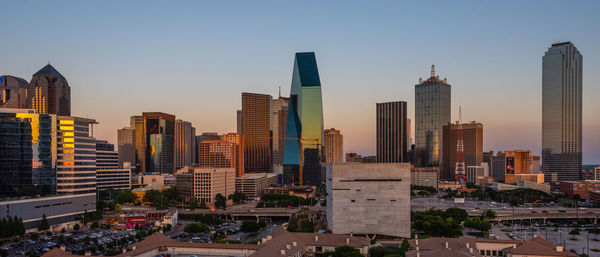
x=304, y=133
x=217, y=154
x=473, y=147
x=109, y=173
x=13, y=92
x=278, y=125
x=334, y=146
x=76, y=165
x=392, y=144
x=253, y=185
x=237, y=140
x=49, y=92
x=425, y=176
x=138, y=123
x=203, y=184
x=517, y=162
x=160, y=141
x=432, y=112
x=256, y=125
x=126, y=144
x=475, y=174
x=369, y=198
x=562, y=82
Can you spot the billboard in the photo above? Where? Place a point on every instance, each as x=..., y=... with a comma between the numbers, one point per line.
x=510, y=165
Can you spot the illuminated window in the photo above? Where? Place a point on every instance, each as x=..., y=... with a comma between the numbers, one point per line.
x=66, y=128
x=67, y=122
x=68, y=134
x=68, y=140
x=68, y=145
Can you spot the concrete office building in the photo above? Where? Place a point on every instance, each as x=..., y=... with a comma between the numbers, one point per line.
x=13, y=92
x=76, y=164
x=109, y=174
x=237, y=140
x=432, y=112
x=562, y=83
x=217, y=154
x=473, y=147
x=279, y=115
x=391, y=132
x=334, y=146
x=126, y=144
x=256, y=125
x=369, y=198
x=425, y=176
x=475, y=173
x=254, y=184
x=204, y=184
x=49, y=92
x=185, y=144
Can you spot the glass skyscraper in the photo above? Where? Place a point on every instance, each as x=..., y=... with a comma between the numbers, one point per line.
x=160, y=140
x=561, y=112
x=432, y=112
x=304, y=133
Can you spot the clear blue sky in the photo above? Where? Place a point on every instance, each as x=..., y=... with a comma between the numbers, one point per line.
x=194, y=58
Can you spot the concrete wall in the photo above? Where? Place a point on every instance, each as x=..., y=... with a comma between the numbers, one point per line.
x=369, y=198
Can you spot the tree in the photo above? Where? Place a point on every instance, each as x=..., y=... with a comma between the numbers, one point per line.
x=490, y=214
x=594, y=231
x=220, y=201
x=479, y=224
x=125, y=196
x=344, y=251
x=95, y=224
x=193, y=203
x=85, y=218
x=118, y=208
x=471, y=185
x=44, y=224
x=76, y=227
x=203, y=204
x=237, y=197
x=195, y=228
x=249, y=226
x=457, y=214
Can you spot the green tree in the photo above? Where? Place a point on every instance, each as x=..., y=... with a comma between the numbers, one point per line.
x=490, y=214
x=479, y=224
x=457, y=214
x=249, y=226
x=344, y=251
x=203, y=204
x=471, y=185
x=125, y=196
x=193, y=203
x=118, y=208
x=44, y=224
x=220, y=201
x=237, y=197
x=95, y=224
x=195, y=228
x=76, y=227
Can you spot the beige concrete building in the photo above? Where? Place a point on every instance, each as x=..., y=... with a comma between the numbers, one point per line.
x=334, y=146
x=368, y=198
x=254, y=184
x=425, y=176
x=205, y=183
x=475, y=173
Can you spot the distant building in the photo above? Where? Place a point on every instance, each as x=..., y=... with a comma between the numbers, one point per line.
x=152, y=181
x=391, y=129
x=369, y=198
x=126, y=143
x=562, y=83
x=256, y=125
x=237, y=140
x=354, y=157
x=279, y=108
x=334, y=146
x=432, y=112
x=497, y=165
x=49, y=92
x=425, y=176
x=581, y=188
x=536, y=164
x=76, y=162
x=473, y=147
x=253, y=185
x=13, y=92
x=138, y=123
x=217, y=154
x=517, y=162
x=203, y=184
x=185, y=144
x=475, y=173
x=160, y=140
x=109, y=174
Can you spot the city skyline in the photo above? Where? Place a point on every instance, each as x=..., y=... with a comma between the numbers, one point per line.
x=511, y=73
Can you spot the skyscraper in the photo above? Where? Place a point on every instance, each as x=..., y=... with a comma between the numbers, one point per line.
x=109, y=174
x=240, y=122
x=217, y=154
x=304, y=132
x=138, y=123
x=562, y=68
x=278, y=126
x=256, y=125
x=185, y=144
x=126, y=144
x=76, y=165
x=391, y=132
x=472, y=134
x=238, y=140
x=160, y=139
x=49, y=92
x=13, y=92
x=334, y=146
x=432, y=112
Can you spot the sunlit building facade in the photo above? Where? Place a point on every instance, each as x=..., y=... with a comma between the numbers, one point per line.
x=217, y=154
x=279, y=108
x=334, y=146
x=392, y=131
x=304, y=133
x=49, y=92
x=160, y=139
x=562, y=75
x=76, y=165
x=432, y=112
x=109, y=174
x=138, y=124
x=185, y=144
x=13, y=92
x=238, y=141
x=256, y=126
x=472, y=144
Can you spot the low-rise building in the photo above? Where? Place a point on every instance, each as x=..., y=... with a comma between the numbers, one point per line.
x=474, y=173
x=203, y=184
x=581, y=188
x=253, y=185
x=522, y=184
x=425, y=176
x=369, y=198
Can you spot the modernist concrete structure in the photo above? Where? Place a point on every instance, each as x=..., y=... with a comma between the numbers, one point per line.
x=473, y=147
x=334, y=146
x=204, y=184
x=13, y=92
x=425, y=176
x=432, y=112
x=562, y=88
x=391, y=130
x=254, y=184
x=369, y=198
x=49, y=92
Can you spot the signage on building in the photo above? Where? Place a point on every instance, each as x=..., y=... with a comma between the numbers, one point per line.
x=510, y=165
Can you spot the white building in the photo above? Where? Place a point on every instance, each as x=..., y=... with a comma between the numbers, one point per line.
x=205, y=183
x=253, y=185
x=369, y=198
x=474, y=173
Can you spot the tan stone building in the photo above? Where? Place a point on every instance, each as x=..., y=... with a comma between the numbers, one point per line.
x=204, y=184
x=334, y=146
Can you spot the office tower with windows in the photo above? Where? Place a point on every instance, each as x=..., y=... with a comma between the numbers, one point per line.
x=432, y=112
x=126, y=143
x=278, y=126
x=562, y=69
x=109, y=176
x=240, y=122
x=391, y=132
x=160, y=139
x=76, y=166
x=238, y=141
x=185, y=144
x=138, y=124
x=256, y=125
x=217, y=154
x=334, y=146
x=49, y=92
x=472, y=134
x=13, y=92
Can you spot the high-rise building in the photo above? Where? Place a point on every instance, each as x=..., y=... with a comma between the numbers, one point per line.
x=472, y=134
x=279, y=108
x=126, y=143
x=185, y=144
x=334, y=146
x=76, y=165
x=49, y=92
x=562, y=69
x=432, y=112
x=109, y=174
x=160, y=140
x=203, y=184
x=217, y=154
x=138, y=123
x=27, y=151
x=474, y=174
x=497, y=165
x=391, y=132
x=13, y=92
x=238, y=141
x=304, y=132
x=256, y=125
x=240, y=122
x=201, y=138
x=409, y=133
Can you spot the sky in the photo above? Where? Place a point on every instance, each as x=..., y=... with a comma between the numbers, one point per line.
x=193, y=59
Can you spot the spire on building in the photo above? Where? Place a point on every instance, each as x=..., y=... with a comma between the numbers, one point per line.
x=433, y=71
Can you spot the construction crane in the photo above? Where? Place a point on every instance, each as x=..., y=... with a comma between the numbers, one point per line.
x=459, y=170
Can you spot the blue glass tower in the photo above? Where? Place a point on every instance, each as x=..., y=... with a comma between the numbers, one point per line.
x=304, y=133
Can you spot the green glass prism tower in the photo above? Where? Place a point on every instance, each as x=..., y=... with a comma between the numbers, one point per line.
x=304, y=133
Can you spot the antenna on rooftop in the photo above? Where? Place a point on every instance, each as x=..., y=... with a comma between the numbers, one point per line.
x=432, y=70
